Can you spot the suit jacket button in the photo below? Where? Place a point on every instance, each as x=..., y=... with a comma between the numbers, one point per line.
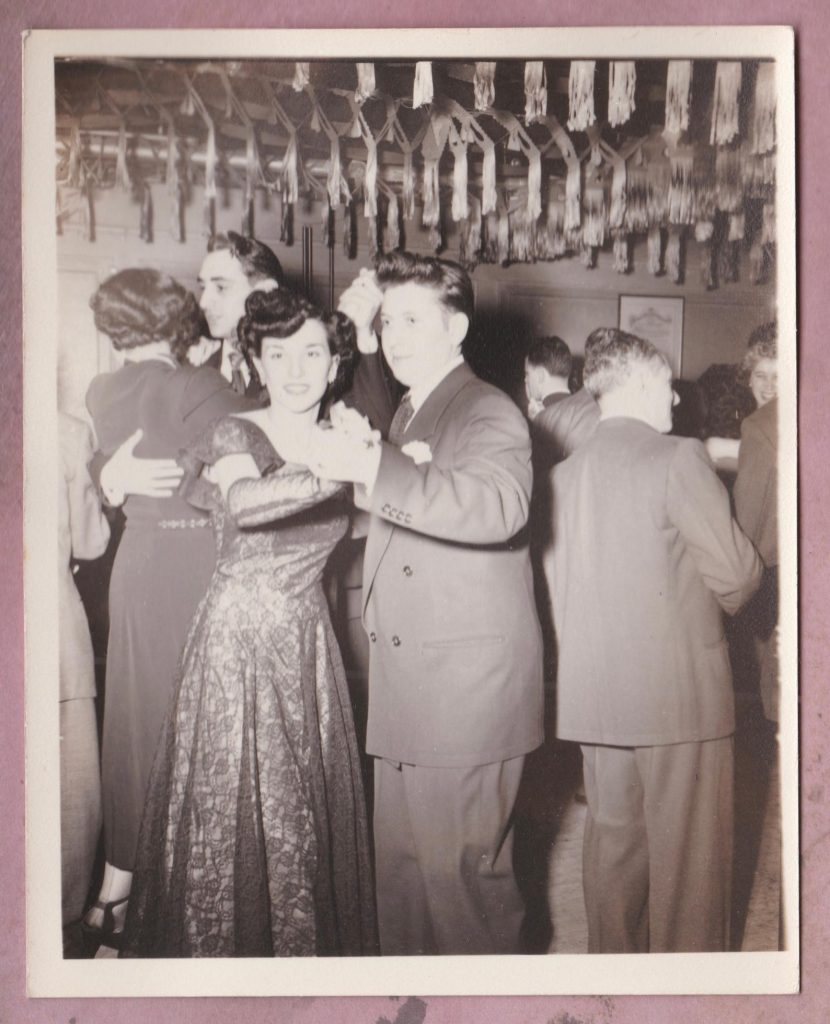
x=396, y=641
x=373, y=637
x=407, y=570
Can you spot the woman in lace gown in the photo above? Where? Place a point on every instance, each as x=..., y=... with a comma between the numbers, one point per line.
x=254, y=839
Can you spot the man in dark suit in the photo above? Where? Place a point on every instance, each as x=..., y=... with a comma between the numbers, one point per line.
x=645, y=558
x=455, y=679
x=547, y=369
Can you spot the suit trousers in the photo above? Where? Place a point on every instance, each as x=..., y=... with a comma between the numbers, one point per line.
x=657, y=856
x=443, y=858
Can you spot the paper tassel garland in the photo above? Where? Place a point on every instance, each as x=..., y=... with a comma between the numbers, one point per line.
x=678, y=96
x=674, y=255
x=763, y=121
x=484, y=88
x=581, y=95
x=422, y=90
x=301, y=76
x=365, y=82
x=393, y=230
x=681, y=202
x=621, y=256
x=536, y=92
x=655, y=251
x=408, y=186
x=622, y=81
x=488, y=179
x=460, y=206
x=573, y=194
x=725, y=102
x=370, y=181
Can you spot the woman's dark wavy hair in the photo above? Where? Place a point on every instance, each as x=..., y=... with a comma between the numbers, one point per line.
x=138, y=306
x=279, y=313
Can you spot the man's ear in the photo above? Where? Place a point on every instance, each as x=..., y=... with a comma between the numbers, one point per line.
x=459, y=324
x=266, y=285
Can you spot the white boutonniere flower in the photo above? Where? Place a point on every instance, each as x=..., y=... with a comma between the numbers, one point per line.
x=418, y=451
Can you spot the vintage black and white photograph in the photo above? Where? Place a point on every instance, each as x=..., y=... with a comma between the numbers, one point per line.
x=424, y=431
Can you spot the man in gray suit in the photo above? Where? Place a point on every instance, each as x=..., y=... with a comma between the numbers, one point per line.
x=645, y=558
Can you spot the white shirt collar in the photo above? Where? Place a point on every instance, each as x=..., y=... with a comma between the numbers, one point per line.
x=421, y=392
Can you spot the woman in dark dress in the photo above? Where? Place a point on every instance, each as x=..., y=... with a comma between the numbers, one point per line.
x=254, y=840
x=166, y=554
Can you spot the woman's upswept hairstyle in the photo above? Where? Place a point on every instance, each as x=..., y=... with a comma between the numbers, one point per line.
x=763, y=344
x=138, y=306
x=279, y=313
x=450, y=280
x=612, y=355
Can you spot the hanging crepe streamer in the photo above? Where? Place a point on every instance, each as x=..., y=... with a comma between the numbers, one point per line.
x=372, y=237
x=503, y=235
x=301, y=76
x=725, y=103
x=737, y=226
x=556, y=227
x=763, y=120
x=370, y=180
x=728, y=262
x=488, y=179
x=678, y=96
x=291, y=172
x=757, y=262
x=89, y=210
x=333, y=180
x=175, y=185
x=349, y=232
x=490, y=238
x=704, y=230
x=484, y=89
x=621, y=254
x=251, y=177
x=474, y=229
x=622, y=82
x=122, y=173
x=460, y=206
x=768, y=224
x=422, y=89
x=145, y=231
x=408, y=186
x=534, y=185
x=708, y=274
x=393, y=229
x=327, y=225
x=636, y=200
x=593, y=215
x=658, y=176
x=655, y=250
x=287, y=222
x=210, y=180
x=704, y=187
x=674, y=255
x=520, y=236
x=681, y=202
x=74, y=174
x=616, y=217
x=729, y=180
x=588, y=257
x=536, y=91
x=432, y=200
x=581, y=95
x=573, y=193
x=365, y=82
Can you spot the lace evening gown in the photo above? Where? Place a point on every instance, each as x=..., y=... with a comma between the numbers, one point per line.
x=254, y=838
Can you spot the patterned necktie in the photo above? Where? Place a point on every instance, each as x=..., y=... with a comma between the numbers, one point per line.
x=400, y=421
x=237, y=377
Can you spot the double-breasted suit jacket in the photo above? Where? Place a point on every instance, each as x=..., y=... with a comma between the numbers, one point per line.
x=456, y=671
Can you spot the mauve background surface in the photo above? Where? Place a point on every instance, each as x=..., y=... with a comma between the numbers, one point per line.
x=810, y=19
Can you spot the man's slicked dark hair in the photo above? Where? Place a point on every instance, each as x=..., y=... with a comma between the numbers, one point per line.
x=258, y=262
x=553, y=354
x=450, y=280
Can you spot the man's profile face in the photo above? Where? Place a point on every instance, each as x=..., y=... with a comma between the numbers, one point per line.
x=224, y=291
x=419, y=335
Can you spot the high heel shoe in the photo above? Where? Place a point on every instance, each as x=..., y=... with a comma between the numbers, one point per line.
x=106, y=933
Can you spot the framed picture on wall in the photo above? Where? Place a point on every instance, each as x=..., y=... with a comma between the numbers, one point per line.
x=657, y=319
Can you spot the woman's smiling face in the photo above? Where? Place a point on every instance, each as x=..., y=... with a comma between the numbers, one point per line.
x=298, y=369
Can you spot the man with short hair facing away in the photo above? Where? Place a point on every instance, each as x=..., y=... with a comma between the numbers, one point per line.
x=547, y=369
x=455, y=680
x=561, y=421
x=645, y=559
